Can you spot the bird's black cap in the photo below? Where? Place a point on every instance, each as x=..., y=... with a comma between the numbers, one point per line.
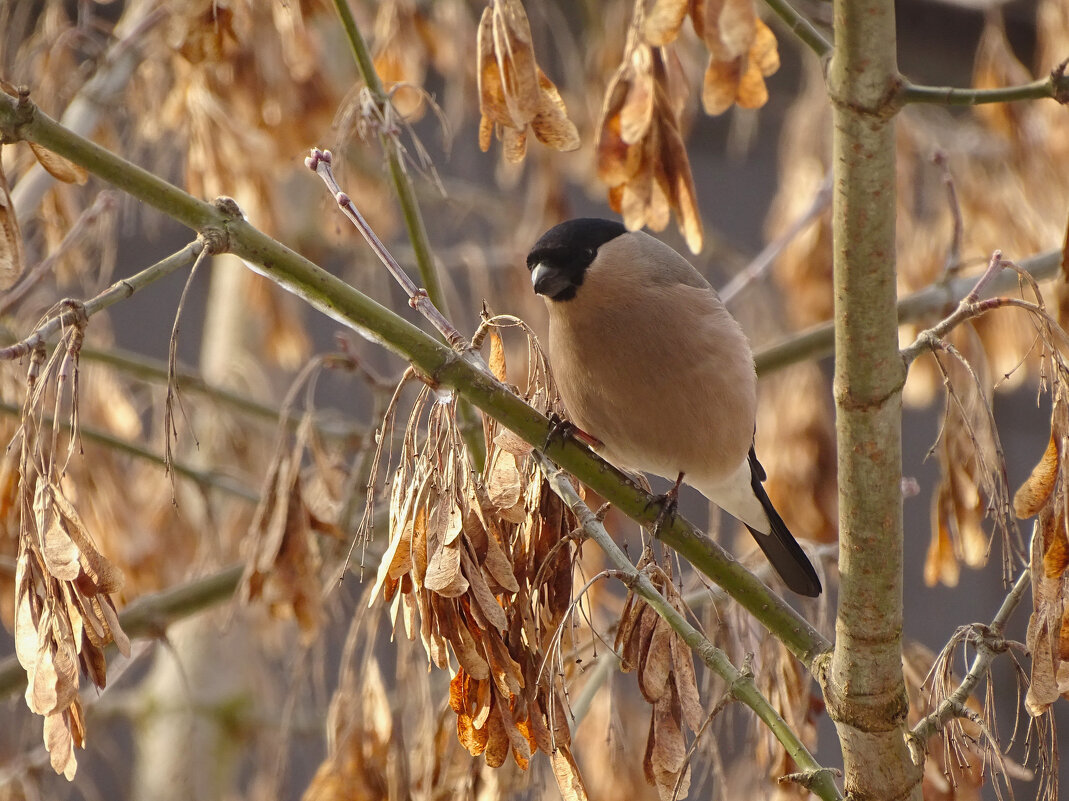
x=567, y=250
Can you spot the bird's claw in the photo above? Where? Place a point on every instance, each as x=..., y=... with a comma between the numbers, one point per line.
x=669, y=502
x=560, y=429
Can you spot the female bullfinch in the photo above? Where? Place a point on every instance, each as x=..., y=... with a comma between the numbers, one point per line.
x=650, y=363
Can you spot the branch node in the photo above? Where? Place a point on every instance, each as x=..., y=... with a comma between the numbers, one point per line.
x=1059, y=86
x=808, y=778
x=215, y=240
x=229, y=207
x=918, y=748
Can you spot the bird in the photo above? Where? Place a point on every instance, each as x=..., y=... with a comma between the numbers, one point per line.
x=651, y=365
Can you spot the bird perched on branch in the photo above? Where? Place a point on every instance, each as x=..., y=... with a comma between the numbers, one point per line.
x=650, y=363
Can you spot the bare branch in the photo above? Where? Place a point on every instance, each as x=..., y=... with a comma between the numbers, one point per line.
x=763, y=260
x=816, y=342
x=971, y=306
x=104, y=204
x=113, y=294
x=1055, y=86
x=418, y=298
x=989, y=644
x=802, y=28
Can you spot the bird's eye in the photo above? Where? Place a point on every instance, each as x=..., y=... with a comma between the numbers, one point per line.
x=590, y=253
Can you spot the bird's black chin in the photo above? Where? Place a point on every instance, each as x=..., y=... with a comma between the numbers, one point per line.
x=552, y=283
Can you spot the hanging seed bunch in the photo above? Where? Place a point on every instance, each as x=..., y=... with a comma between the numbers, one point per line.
x=514, y=92
x=64, y=614
x=479, y=567
x=640, y=151
x=663, y=662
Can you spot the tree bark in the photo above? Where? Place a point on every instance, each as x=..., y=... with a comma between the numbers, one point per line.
x=863, y=683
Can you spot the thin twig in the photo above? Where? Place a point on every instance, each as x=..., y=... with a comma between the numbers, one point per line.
x=971, y=306
x=988, y=646
x=763, y=260
x=170, y=431
x=741, y=686
x=418, y=298
x=1055, y=86
x=417, y=232
x=817, y=341
x=966, y=309
x=953, y=259
x=410, y=211
x=120, y=290
x=105, y=203
x=802, y=28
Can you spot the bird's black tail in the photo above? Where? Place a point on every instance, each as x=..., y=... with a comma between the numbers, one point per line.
x=780, y=547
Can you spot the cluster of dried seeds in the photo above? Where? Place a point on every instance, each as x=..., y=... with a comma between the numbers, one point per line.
x=479, y=567
x=514, y=92
x=64, y=614
x=640, y=151
x=1045, y=494
x=648, y=645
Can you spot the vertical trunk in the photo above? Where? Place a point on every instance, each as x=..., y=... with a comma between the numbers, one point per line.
x=863, y=683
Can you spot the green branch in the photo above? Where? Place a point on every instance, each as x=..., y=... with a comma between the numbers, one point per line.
x=406, y=197
x=819, y=340
x=801, y=27
x=1055, y=86
x=741, y=684
x=464, y=372
x=150, y=615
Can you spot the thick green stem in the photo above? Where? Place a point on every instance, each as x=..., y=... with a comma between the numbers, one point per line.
x=406, y=197
x=464, y=372
x=863, y=684
x=150, y=615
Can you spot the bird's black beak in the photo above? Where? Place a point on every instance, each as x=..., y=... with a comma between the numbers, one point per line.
x=550, y=282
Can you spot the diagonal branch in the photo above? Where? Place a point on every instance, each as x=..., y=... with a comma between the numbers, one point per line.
x=464, y=372
x=418, y=298
x=741, y=685
x=988, y=646
x=120, y=290
x=802, y=28
x=417, y=231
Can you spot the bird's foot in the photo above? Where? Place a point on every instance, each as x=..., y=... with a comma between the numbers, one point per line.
x=560, y=429
x=668, y=502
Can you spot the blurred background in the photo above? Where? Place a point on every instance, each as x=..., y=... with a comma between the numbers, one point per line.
x=226, y=98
